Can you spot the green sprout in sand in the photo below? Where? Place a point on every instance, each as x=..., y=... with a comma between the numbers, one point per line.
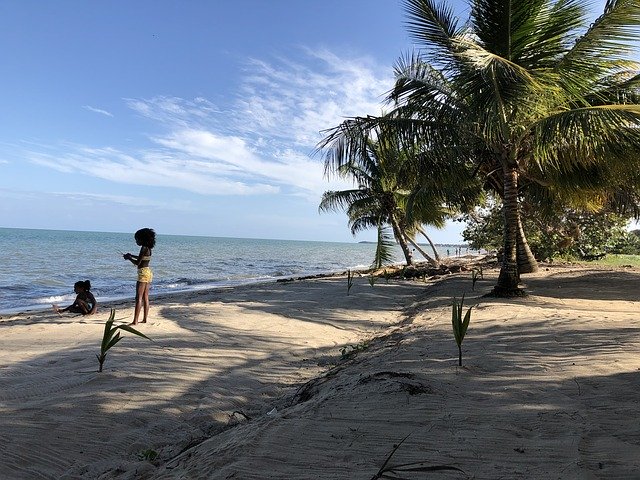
x=112, y=336
x=349, y=281
x=460, y=325
x=476, y=274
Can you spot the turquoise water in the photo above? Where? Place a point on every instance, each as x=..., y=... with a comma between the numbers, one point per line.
x=39, y=267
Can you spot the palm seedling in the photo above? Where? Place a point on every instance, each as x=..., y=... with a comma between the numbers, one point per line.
x=349, y=281
x=476, y=274
x=460, y=325
x=112, y=336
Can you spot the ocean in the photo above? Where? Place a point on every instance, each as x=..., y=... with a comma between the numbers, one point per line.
x=39, y=267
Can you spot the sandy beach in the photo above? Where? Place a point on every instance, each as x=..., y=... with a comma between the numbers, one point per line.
x=251, y=383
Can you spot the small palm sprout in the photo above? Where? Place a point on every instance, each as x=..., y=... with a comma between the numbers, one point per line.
x=386, y=275
x=460, y=325
x=476, y=274
x=111, y=336
x=349, y=281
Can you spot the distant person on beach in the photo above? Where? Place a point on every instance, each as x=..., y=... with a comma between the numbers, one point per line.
x=85, y=303
x=146, y=239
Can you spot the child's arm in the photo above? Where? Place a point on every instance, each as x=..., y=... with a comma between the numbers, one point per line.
x=92, y=299
x=132, y=258
x=57, y=309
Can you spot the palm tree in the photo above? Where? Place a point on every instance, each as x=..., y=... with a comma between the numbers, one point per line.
x=375, y=201
x=373, y=159
x=527, y=92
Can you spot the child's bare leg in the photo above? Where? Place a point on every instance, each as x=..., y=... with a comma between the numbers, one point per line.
x=139, y=298
x=83, y=307
x=145, y=303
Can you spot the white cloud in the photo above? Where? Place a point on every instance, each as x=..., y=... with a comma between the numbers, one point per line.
x=150, y=168
x=87, y=197
x=259, y=145
x=125, y=200
x=296, y=102
x=97, y=110
x=175, y=112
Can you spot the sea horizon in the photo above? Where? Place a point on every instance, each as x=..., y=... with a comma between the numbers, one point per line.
x=215, y=236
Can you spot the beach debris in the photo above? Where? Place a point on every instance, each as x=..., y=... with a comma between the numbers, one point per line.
x=238, y=417
x=272, y=412
x=111, y=336
x=392, y=471
x=460, y=325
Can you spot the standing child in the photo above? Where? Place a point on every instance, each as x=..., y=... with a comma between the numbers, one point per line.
x=146, y=239
x=85, y=303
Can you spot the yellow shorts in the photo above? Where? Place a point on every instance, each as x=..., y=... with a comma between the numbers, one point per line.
x=145, y=275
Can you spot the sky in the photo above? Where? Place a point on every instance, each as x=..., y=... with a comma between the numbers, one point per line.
x=191, y=117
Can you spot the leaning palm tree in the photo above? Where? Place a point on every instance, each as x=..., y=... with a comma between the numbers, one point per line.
x=373, y=159
x=375, y=202
x=527, y=91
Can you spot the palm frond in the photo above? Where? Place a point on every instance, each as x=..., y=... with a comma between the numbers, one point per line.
x=384, y=247
x=363, y=223
x=614, y=34
x=435, y=26
x=339, y=200
x=602, y=49
x=588, y=136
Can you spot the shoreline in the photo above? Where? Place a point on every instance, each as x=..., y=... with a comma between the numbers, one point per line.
x=303, y=380
x=33, y=310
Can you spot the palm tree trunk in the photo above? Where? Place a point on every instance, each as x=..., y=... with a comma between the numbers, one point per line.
x=433, y=247
x=397, y=232
x=509, y=277
x=431, y=261
x=526, y=261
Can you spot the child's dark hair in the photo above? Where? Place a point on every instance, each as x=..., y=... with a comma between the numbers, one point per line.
x=86, y=285
x=146, y=237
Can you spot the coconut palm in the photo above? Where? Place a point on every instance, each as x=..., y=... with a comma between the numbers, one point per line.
x=529, y=92
x=374, y=160
x=375, y=202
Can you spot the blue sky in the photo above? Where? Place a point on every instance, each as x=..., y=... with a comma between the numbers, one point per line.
x=191, y=117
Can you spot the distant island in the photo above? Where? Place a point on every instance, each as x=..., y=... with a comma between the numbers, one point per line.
x=464, y=245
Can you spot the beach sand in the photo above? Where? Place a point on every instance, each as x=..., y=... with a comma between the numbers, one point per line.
x=250, y=383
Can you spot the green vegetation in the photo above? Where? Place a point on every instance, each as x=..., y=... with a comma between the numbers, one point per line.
x=568, y=234
x=375, y=161
x=528, y=107
x=349, y=351
x=619, y=261
x=386, y=275
x=460, y=324
x=476, y=274
x=148, y=455
x=112, y=336
x=349, y=281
